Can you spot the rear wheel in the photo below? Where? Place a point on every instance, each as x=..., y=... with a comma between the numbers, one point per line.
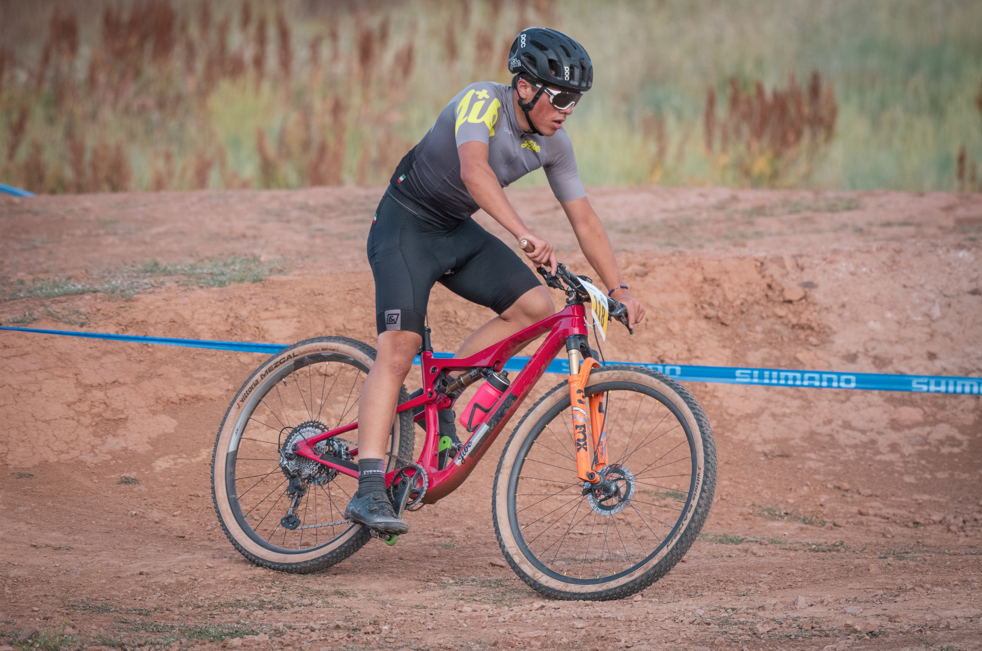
x=281, y=510
x=572, y=540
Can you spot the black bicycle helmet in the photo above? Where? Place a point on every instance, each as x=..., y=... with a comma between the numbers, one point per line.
x=552, y=59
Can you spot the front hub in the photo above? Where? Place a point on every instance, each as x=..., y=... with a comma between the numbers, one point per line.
x=613, y=492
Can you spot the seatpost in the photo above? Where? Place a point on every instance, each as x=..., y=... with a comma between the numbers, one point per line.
x=427, y=346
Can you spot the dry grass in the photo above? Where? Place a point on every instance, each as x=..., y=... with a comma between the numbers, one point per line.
x=173, y=95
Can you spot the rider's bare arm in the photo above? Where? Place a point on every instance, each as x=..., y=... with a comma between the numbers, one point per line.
x=483, y=186
x=596, y=247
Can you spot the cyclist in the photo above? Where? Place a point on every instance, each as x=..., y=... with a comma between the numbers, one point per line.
x=488, y=136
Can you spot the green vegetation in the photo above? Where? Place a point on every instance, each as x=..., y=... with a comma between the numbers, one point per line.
x=678, y=496
x=176, y=632
x=175, y=95
x=23, y=475
x=27, y=319
x=126, y=282
x=72, y=316
x=722, y=538
x=49, y=640
x=791, y=545
x=828, y=205
x=217, y=273
x=128, y=481
x=778, y=513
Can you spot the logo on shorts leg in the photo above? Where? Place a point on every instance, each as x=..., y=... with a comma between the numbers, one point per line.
x=393, y=319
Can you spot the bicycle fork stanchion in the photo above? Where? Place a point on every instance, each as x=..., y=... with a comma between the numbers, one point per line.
x=577, y=392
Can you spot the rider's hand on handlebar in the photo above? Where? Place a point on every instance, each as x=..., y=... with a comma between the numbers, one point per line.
x=635, y=311
x=538, y=251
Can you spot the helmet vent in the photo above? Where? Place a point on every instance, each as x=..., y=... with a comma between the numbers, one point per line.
x=551, y=58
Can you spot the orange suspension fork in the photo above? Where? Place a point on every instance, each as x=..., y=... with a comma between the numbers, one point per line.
x=586, y=469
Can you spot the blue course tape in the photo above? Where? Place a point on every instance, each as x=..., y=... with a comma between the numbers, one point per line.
x=714, y=374
x=17, y=192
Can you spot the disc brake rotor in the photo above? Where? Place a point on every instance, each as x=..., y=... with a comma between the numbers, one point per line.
x=613, y=492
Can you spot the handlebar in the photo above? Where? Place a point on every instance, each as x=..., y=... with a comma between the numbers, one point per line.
x=617, y=310
x=573, y=285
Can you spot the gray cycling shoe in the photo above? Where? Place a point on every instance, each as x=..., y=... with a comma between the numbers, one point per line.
x=374, y=510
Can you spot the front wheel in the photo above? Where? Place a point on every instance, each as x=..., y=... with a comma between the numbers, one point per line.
x=282, y=510
x=571, y=540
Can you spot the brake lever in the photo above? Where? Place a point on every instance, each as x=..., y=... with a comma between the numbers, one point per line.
x=551, y=280
x=620, y=313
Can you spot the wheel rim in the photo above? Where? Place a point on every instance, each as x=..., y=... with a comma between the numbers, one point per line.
x=263, y=479
x=600, y=537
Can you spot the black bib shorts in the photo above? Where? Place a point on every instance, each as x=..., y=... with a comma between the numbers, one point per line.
x=408, y=256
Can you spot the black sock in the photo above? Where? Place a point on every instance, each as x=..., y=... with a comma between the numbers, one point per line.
x=371, y=475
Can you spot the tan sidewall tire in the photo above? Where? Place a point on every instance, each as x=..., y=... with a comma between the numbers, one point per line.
x=692, y=520
x=356, y=536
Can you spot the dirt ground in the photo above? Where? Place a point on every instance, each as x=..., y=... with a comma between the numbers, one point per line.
x=843, y=519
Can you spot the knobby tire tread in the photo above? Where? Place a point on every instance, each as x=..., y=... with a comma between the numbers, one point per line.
x=685, y=541
x=406, y=444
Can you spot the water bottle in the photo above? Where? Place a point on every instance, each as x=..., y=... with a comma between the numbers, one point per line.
x=479, y=407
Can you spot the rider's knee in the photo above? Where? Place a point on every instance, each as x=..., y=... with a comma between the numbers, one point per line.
x=396, y=351
x=534, y=306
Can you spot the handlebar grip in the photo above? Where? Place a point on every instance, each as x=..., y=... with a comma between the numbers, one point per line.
x=526, y=246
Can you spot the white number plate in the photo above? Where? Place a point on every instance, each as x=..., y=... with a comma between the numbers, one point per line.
x=598, y=305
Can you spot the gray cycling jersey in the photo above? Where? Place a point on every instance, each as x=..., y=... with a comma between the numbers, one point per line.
x=430, y=174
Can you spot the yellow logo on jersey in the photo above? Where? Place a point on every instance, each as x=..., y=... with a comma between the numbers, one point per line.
x=530, y=144
x=467, y=113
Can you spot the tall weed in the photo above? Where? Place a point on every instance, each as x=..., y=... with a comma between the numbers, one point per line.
x=168, y=94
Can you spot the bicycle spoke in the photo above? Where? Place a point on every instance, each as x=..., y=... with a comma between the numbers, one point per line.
x=552, y=465
x=241, y=495
x=565, y=454
x=562, y=538
x=612, y=539
x=344, y=411
x=246, y=438
x=660, y=506
x=645, y=523
x=544, y=499
x=662, y=457
x=643, y=442
x=323, y=397
x=253, y=418
x=263, y=499
x=309, y=411
x=551, y=525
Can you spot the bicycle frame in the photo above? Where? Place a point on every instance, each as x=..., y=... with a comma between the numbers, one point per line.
x=570, y=322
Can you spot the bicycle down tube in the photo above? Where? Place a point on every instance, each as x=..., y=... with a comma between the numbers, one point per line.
x=569, y=322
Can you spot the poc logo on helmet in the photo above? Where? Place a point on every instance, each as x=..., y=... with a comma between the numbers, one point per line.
x=567, y=73
x=523, y=40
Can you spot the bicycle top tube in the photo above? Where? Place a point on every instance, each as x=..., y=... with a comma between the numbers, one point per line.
x=568, y=322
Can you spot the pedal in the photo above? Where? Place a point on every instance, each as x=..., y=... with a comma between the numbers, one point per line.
x=388, y=538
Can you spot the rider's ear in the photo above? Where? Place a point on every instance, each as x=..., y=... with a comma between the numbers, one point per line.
x=523, y=89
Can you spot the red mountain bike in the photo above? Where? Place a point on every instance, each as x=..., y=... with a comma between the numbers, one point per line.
x=601, y=489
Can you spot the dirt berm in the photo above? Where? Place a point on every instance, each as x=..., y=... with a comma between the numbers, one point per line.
x=843, y=519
